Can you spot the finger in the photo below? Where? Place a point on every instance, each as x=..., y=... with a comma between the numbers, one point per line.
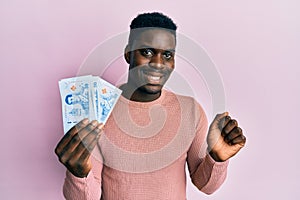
x=82, y=155
x=92, y=141
x=80, y=162
x=72, y=147
x=224, y=121
x=79, y=167
x=69, y=135
x=241, y=140
x=229, y=127
x=89, y=139
x=87, y=152
x=217, y=120
x=237, y=131
x=88, y=129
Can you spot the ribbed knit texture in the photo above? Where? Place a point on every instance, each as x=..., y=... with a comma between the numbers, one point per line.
x=142, y=152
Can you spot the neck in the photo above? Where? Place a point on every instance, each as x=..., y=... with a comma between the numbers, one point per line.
x=136, y=94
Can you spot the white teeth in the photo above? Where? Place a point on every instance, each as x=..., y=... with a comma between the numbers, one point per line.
x=155, y=78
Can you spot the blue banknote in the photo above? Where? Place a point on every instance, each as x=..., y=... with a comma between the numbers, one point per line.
x=108, y=96
x=86, y=97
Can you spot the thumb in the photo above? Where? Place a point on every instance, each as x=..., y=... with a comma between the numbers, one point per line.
x=218, y=121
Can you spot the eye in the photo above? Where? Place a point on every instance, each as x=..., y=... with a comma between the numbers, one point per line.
x=168, y=55
x=146, y=52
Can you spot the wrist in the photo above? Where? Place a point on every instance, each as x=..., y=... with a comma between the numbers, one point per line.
x=215, y=156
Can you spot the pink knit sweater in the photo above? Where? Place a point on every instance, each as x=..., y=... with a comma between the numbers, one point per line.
x=142, y=152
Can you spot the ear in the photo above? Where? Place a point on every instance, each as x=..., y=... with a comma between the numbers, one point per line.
x=127, y=54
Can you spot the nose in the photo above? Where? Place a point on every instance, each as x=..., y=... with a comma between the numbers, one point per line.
x=157, y=61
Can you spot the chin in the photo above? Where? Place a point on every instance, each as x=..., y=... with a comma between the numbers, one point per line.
x=151, y=89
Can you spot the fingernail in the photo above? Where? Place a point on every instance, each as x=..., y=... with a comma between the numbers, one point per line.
x=85, y=121
x=94, y=122
x=100, y=126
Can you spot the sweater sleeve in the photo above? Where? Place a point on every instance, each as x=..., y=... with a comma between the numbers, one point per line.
x=206, y=174
x=88, y=188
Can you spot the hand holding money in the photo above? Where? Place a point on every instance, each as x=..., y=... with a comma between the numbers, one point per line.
x=84, y=99
x=74, y=149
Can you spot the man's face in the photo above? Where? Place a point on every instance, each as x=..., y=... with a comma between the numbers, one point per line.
x=151, y=60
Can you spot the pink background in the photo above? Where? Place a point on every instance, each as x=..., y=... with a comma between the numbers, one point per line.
x=255, y=45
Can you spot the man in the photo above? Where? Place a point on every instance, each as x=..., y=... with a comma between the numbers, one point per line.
x=151, y=133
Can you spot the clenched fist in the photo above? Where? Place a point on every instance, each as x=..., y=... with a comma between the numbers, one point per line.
x=225, y=138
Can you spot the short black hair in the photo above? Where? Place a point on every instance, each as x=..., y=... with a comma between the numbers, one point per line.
x=154, y=19
x=148, y=20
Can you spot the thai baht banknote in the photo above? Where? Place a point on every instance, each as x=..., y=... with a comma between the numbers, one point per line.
x=86, y=97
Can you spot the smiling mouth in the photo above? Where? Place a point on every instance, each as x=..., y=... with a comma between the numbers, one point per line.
x=153, y=79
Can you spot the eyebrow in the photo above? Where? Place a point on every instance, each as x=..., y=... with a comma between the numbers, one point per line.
x=152, y=48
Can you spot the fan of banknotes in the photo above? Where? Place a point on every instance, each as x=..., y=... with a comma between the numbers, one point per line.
x=86, y=97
